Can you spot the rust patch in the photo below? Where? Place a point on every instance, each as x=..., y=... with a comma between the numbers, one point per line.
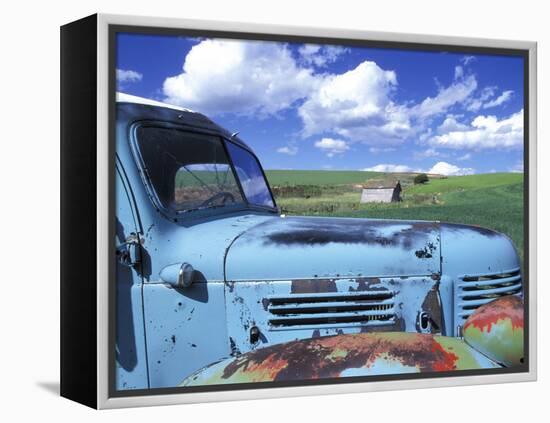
x=509, y=307
x=366, y=284
x=397, y=326
x=330, y=356
x=312, y=286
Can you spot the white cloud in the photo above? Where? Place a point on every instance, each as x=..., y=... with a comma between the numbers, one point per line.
x=501, y=99
x=440, y=168
x=482, y=101
x=390, y=168
x=474, y=104
x=356, y=105
x=320, y=56
x=450, y=124
x=447, y=97
x=266, y=78
x=331, y=146
x=123, y=75
x=448, y=169
x=484, y=132
x=290, y=150
x=228, y=76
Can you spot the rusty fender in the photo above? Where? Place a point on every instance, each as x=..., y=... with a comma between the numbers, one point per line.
x=361, y=354
x=496, y=330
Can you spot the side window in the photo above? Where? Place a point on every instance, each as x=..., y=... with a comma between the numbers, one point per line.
x=251, y=176
x=188, y=171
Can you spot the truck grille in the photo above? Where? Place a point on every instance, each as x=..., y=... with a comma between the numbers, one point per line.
x=331, y=309
x=473, y=291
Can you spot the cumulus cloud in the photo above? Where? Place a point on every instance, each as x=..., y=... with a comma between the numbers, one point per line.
x=448, y=169
x=451, y=124
x=388, y=168
x=320, y=56
x=228, y=76
x=440, y=168
x=331, y=146
x=264, y=79
x=484, y=132
x=356, y=105
x=289, y=150
x=123, y=75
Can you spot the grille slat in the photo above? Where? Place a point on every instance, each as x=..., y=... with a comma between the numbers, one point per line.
x=320, y=298
x=506, y=290
x=483, y=282
x=473, y=291
x=336, y=306
x=322, y=310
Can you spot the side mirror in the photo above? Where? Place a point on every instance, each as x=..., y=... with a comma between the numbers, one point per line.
x=179, y=275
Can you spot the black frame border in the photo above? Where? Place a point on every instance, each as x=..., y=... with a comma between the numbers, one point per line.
x=114, y=29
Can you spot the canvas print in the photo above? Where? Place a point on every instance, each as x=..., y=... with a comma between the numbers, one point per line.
x=289, y=212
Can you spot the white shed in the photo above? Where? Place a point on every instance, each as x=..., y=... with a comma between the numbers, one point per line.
x=381, y=192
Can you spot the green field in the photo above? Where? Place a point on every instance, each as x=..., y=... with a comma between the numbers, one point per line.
x=317, y=177
x=491, y=200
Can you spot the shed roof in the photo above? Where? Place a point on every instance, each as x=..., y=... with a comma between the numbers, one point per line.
x=381, y=184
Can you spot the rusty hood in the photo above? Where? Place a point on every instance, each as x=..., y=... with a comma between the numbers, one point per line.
x=311, y=247
x=365, y=354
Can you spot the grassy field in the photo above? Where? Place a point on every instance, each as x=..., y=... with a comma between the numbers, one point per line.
x=317, y=177
x=491, y=200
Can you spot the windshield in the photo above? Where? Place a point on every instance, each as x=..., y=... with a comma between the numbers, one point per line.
x=251, y=176
x=189, y=171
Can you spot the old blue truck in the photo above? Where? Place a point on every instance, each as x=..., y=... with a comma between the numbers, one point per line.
x=207, y=268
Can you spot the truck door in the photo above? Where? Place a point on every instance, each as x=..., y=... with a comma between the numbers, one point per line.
x=131, y=362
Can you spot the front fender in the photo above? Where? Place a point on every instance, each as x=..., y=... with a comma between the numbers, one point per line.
x=363, y=354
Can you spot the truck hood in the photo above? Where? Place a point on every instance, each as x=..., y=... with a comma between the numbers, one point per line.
x=285, y=248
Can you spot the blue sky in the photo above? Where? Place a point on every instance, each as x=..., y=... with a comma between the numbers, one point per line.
x=304, y=106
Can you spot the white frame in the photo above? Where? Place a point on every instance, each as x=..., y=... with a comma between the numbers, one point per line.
x=103, y=400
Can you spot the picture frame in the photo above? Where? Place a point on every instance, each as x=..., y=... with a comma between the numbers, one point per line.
x=90, y=349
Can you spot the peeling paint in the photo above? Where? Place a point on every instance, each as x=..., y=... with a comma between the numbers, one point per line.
x=496, y=329
x=345, y=355
x=308, y=286
x=320, y=231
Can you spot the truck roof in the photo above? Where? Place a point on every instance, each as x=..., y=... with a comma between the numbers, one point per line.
x=191, y=117
x=128, y=98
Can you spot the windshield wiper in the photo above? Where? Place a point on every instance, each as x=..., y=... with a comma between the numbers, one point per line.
x=214, y=206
